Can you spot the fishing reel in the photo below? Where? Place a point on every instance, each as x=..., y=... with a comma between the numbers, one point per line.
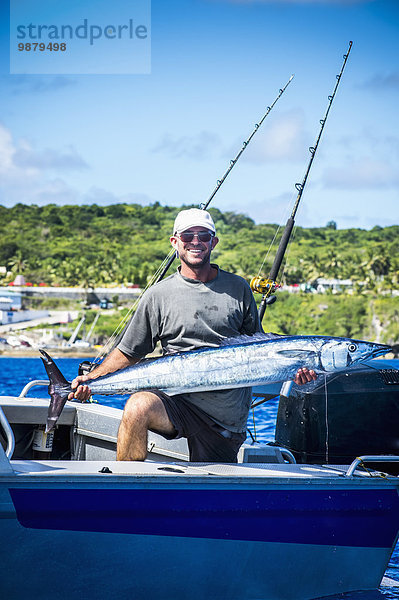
x=85, y=367
x=263, y=286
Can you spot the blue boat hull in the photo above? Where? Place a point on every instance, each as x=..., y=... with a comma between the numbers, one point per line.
x=167, y=540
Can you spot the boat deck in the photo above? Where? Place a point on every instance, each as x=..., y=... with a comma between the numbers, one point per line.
x=189, y=471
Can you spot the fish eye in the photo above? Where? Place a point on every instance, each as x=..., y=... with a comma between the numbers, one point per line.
x=352, y=347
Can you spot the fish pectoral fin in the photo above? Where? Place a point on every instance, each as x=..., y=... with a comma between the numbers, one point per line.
x=299, y=353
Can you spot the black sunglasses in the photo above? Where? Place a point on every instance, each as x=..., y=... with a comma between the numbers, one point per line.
x=202, y=236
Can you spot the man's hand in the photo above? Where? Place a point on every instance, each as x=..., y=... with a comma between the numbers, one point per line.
x=304, y=376
x=81, y=392
x=115, y=361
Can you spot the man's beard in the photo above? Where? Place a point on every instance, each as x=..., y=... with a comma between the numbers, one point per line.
x=184, y=257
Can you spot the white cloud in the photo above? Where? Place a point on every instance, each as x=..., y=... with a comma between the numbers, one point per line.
x=364, y=173
x=274, y=209
x=363, y=221
x=136, y=198
x=6, y=150
x=27, y=157
x=283, y=139
x=55, y=191
x=381, y=81
x=371, y=142
x=198, y=146
x=24, y=177
x=96, y=195
x=35, y=84
x=24, y=172
x=17, y=158
x=12, y=173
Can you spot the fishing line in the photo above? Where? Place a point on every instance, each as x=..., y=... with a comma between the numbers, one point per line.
x=126, y=318
x=279, y=227
x=286, y=257
x=268, y=251
x=253, y=418
x=327, y=429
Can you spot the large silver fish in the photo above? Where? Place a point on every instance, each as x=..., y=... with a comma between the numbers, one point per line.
x=240, y=362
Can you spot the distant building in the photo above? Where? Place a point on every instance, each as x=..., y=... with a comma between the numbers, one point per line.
x=9, y=317
x=10, y=300
x=11, y=309
x=333, y=285
x=321, y=286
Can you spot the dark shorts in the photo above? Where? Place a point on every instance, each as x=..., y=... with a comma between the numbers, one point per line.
x=207, y=441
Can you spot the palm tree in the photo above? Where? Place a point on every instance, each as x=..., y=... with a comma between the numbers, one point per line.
x=312, y=267
x=333, y=264
x=18, y=263
x=376, y=266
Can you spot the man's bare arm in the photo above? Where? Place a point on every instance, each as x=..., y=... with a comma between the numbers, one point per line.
x=115, y=361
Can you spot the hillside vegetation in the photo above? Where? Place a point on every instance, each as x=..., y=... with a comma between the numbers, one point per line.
x=125, y=243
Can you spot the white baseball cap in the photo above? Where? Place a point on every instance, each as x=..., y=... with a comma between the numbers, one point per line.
x=193, y=217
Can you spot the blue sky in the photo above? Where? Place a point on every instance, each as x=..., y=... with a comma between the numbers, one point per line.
x=216, y=65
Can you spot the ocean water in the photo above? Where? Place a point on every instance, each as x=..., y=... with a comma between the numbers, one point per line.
x=15, y=373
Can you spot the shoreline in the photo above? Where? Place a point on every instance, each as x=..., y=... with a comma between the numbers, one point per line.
x=57, y=352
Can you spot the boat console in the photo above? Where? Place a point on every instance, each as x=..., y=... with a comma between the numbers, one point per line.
x=343, y=416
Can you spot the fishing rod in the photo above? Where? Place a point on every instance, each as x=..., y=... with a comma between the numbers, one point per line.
x=232, y=164
x=164, y=267
x=268, y=286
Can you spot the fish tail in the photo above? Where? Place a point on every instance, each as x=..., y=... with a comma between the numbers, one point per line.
x=58, y=389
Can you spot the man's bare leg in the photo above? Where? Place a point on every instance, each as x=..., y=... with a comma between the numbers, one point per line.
x=143, y=411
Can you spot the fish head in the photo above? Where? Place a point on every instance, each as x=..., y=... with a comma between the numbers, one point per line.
x=342, y=353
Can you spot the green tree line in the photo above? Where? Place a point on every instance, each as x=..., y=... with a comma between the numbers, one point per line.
x=125, y=243
x=358, y=317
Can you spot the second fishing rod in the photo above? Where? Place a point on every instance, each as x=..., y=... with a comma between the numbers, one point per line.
x=269, y=285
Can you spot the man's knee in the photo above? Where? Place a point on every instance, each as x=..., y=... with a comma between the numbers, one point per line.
x=140, y=405
x=147, y=409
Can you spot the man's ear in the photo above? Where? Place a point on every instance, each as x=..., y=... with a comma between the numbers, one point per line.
x=215, y=240
x=173, y=241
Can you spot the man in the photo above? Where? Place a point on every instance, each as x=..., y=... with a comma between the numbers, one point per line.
x=199, y=305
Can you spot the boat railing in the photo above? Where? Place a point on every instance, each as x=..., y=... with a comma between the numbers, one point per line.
x=287, y=455
x=9, y=434
x=369, y=458
x=31, y=384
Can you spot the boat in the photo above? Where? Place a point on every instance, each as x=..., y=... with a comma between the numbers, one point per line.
x=78, y=522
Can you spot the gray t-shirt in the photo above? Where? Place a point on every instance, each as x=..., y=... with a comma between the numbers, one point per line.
x=185, y=314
